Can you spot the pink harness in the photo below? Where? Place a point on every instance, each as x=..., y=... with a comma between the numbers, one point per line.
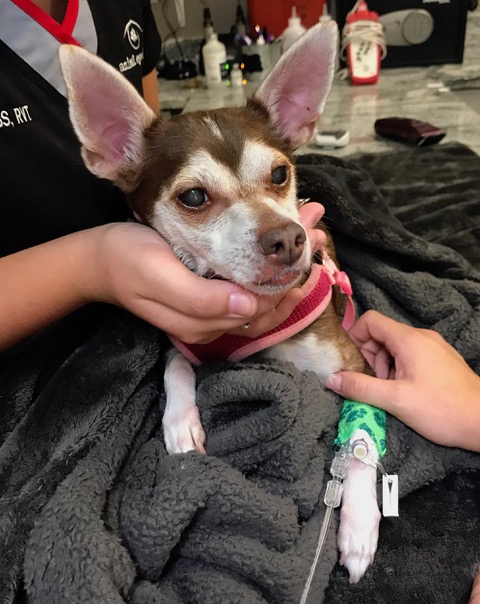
x=236, y=348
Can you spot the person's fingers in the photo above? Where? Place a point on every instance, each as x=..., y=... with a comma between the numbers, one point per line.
x=195, y=296
x=138, y=264
x=317, y=238
x=192, y=295
x=383, y=364
x=189, y=329
x=184, y=298
x=310, y=214
x=280, y=313
x=382, y=329
x=378, y=357
x=475, y=594
x=364, y=389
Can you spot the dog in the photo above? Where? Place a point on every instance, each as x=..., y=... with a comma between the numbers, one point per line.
x=220, y=187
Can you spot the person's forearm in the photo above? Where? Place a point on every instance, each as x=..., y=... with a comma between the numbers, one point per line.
x=150, y=91
x=40, y=285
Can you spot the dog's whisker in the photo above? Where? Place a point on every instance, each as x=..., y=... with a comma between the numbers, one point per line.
x=213, y=275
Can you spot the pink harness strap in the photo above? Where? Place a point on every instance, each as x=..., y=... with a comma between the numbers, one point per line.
x=235, y=348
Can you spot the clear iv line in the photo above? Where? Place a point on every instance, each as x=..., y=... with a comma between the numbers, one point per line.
x=318, y=551
x=332, y=499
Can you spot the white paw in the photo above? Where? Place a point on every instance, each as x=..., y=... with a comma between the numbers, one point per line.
x=358, y=536
x=183, y=431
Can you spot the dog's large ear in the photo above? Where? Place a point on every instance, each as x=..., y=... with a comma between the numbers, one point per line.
x=107, y=113
x=296, y=89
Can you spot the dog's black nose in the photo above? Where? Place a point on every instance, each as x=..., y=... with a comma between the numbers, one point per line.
x=283, y=244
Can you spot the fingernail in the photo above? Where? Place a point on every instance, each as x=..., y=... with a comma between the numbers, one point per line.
x=333, y=382
x=241, y=305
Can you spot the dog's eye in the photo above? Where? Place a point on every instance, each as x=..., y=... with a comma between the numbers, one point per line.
x=193, y=198
x=279, y=175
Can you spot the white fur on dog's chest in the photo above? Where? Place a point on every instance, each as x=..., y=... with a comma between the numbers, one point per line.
x=308, y=353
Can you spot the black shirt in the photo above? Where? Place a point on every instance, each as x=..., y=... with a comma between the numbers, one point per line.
x=45, y=189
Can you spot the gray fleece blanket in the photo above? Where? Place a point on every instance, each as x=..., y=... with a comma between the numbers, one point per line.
x=93, y=510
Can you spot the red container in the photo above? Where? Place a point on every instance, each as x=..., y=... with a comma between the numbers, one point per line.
x=275, y=13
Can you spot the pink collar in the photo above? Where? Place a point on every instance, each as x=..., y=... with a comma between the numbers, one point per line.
x=236, y=348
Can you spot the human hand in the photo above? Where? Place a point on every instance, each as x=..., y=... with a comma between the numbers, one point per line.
x=132, y=266
x=129, y=265
x=420, y=379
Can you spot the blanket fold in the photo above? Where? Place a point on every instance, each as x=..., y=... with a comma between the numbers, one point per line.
x=244, y=523
x=92, y=509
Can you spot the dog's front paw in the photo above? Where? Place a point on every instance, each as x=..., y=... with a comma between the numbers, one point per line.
x=359, y=520
x=183, y=431
x=358, y=537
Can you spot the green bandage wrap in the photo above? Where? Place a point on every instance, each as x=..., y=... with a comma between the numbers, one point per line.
x=359, y=416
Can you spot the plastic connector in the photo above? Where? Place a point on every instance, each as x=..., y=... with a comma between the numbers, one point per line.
x=360, y=449
x=338, y=469
x=333, y=494
x=339, y=466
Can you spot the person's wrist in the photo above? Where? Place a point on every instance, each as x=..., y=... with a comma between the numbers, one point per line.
x=90, y=278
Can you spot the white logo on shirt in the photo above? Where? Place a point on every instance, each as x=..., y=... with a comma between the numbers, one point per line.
x=132, y=33
x=21, y=115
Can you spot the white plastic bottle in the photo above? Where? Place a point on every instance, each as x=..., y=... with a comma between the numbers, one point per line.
x=214, y=54
x=324, y=18
x=236, y=76
x=294, y=30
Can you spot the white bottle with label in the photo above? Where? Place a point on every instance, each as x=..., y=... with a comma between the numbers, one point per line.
x=214, y=54
x=294, y=30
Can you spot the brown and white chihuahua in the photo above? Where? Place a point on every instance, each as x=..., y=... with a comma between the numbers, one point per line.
x=220, y=187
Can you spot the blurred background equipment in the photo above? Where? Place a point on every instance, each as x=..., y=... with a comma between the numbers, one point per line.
x=417, y=32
